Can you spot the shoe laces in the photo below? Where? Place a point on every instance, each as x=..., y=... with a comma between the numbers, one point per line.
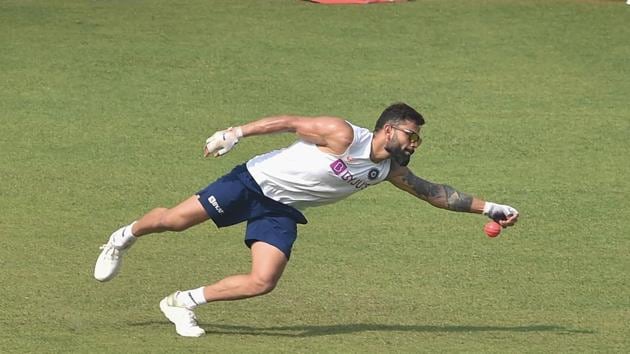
x=111, y=251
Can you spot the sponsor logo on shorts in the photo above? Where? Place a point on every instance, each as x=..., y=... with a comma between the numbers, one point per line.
x=341, y=169
x=213, y=201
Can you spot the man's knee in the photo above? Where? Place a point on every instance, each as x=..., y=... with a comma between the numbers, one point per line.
x=263, y=285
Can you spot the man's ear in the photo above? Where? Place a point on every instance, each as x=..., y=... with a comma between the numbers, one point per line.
x=387, y=129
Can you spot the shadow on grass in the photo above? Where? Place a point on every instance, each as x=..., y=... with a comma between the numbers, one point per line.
x=329, y=330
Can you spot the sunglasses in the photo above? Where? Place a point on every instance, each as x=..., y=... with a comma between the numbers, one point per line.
x=413, y=136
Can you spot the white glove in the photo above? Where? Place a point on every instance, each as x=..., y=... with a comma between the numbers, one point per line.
x=222, y=141
x=498, y=211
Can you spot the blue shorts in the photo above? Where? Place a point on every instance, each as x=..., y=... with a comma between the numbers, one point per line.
x=236, y=197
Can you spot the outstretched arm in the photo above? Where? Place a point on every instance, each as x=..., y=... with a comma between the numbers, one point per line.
x=439, y=195
x=446, y=197
x=331, y=134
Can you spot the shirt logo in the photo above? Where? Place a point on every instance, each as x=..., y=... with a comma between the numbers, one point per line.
x=372, y=174
x=341, y=169
x=338, y=167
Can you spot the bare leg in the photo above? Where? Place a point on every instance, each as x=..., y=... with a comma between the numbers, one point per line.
x=268, y=263
x=184, y=215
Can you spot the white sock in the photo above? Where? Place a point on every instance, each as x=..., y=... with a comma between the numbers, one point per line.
x=191, y=298
x=123, y=237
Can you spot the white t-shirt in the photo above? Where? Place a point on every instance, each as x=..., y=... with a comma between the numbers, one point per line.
x=302, y=175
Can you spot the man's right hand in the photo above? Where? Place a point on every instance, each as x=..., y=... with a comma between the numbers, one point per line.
x=222, y=141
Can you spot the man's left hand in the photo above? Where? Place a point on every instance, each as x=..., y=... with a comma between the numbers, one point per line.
x=505, y=215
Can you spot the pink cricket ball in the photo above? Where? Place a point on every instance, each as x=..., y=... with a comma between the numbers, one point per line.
x=492, y=229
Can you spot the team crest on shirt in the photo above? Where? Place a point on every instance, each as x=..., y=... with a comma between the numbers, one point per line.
x=372, y=174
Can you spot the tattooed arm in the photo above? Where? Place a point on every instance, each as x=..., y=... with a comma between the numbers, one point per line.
x=439, y=195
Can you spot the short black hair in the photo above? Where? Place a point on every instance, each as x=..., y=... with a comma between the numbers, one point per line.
x=397, y=113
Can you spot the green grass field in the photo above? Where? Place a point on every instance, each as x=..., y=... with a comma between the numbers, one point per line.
x=104, y=107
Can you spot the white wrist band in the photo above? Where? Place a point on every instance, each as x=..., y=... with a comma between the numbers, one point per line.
x=238, y=132
x=487, y=207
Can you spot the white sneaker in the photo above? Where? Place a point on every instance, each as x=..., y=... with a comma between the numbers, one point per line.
x=109, y=261
x=183, y=318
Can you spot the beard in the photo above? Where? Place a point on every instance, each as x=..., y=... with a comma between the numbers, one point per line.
x=399, y=155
